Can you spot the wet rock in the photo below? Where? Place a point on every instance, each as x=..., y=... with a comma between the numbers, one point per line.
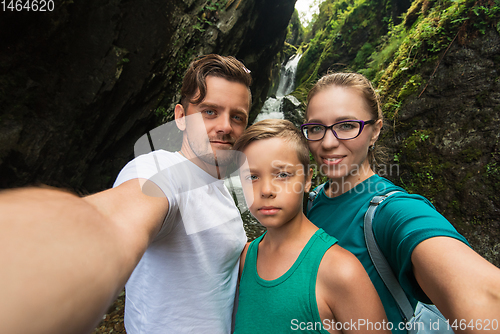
x=293, y=110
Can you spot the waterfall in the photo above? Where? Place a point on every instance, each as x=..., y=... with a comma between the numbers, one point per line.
x=272, y=105
x=287, y=76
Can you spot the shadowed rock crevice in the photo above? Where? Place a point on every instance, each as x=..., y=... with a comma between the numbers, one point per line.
x=80, y=84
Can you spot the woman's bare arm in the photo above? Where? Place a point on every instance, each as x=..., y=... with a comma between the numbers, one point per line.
x=463, y=285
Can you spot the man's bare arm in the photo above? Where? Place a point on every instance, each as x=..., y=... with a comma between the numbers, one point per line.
x=64, y=259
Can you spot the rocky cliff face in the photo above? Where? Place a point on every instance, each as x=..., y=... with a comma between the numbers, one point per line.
x=79, y=85
x=447, y=142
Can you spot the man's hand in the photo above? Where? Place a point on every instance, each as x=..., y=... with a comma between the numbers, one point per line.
x=64, y=259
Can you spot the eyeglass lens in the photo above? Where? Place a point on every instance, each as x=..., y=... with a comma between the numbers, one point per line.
x=342, y=130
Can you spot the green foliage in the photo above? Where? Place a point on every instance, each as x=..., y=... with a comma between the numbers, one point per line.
x=338, y=22
x=295, y=30
x=395, y=66
x=379, y=60
x=213, y=5
x=485, y=16
x=391, y=107
x=199, y=25
x=363, y=54
x=123, y=61
x=161, y=111
x=301, y=92
x=492, y=171
x=427, y=170
x=410, y=87
x=413, y=142
x=207, y=14
x=391, y=61
x=471, y=154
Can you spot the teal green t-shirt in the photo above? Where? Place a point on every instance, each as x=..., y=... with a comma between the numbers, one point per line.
x=400, y=223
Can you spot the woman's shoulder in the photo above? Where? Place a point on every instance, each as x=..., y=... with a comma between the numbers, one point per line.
x=380, y=186
x=363, y=192
x=408, y=214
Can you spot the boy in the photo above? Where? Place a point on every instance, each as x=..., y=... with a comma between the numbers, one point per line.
x=300, y=280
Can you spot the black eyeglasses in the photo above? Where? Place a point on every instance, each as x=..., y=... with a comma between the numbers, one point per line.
x=343, y=130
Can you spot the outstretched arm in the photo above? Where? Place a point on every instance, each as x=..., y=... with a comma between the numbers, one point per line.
x=64, y=259
x=345, y=291
x=462, y=284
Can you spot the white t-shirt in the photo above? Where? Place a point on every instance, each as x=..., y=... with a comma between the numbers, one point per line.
x=186, y=280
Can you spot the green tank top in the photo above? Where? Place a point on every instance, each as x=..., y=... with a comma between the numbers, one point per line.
x=288, y=303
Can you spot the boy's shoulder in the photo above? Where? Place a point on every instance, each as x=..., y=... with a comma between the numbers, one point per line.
x=243, y=256
x=340, y=277
x=339, y=268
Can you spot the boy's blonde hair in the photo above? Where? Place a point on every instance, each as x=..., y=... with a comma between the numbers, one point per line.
x=276, y=128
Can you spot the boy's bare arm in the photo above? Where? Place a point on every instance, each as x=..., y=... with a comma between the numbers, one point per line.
x=350, y=295
x=64, y=259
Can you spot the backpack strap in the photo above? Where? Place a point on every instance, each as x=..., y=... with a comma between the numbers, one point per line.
x=380, y=262
x=312, y=196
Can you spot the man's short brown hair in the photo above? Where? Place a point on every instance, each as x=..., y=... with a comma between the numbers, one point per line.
x=225, y=67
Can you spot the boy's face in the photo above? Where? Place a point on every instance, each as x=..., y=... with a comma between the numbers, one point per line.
x=274, y=182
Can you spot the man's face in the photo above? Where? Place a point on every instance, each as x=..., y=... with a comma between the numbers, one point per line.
x=224, y=116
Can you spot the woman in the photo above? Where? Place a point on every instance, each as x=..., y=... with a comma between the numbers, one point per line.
x=431, y=260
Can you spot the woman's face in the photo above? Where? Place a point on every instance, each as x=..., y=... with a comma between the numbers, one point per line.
x=344, y=161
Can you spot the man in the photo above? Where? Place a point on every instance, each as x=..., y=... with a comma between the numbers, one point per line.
x=65, y=268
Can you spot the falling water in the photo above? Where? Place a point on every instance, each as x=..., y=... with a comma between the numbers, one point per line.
x=287, y=76
x=271, y=109
x=272, y=106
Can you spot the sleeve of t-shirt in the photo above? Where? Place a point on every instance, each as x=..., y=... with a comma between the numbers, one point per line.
x=152, y=167
x=400, y=224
